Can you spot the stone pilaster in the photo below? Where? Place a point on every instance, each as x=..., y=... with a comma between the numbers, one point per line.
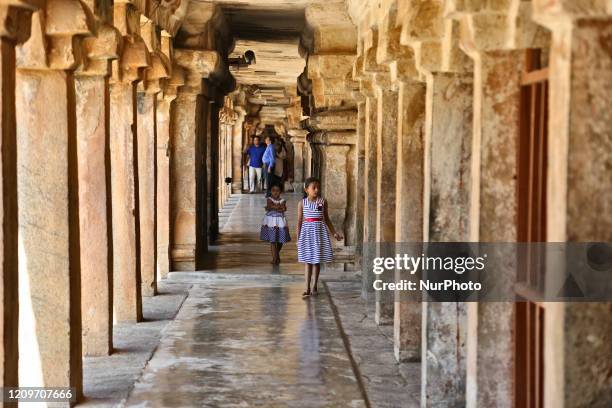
x=14, y=29
x=126, y=73
x=92, y=130
x=579, y=196
x=186, y=132
x=493, y=186
x=47, y=177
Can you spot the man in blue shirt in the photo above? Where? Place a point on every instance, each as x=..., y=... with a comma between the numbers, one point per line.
x=255, y=153
x=269, y=158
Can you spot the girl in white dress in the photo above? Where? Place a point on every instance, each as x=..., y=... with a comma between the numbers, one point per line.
x=314, y=227
x=274, y=226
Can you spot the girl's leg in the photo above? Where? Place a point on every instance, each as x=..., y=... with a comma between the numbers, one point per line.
x=317, y=269
x=273, y=250
x=279, y=246
x=307, y=276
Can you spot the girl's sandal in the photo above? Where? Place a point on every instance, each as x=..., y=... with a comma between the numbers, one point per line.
x=306, y=294
x=315, y=292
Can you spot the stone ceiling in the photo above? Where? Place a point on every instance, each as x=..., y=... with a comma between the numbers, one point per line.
x=270, y=28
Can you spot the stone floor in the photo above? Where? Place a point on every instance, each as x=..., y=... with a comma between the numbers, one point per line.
x=244, y=337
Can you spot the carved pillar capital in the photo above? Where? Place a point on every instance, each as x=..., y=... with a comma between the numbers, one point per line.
x=15, y=20
x=98, y=51
x=134, y=58
x=51, y=44
x=196, y=66
x=156, y=72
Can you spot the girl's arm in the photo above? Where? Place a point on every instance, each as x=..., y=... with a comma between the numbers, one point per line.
x=282, y=206
x=300, y=217
x=269, y=205
x=329, y=223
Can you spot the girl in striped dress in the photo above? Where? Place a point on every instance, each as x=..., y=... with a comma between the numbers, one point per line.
x=314, y=226
x=274, y=226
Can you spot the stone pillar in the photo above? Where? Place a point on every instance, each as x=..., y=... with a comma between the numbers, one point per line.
x=386, y=163
x=447, y=180
x=164, y=106
x=146, y=115
x=237, y=149
x=186, y=119
x=361, y=180
x=370, y=192
x=409, y=208
x=335, y=143
x=298, y=138
x=493, y=212
x=124, y=176
x=47, y=177
x=11, y=34
x=92, y=130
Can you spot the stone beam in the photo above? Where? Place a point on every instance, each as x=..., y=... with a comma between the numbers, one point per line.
x=47, y=185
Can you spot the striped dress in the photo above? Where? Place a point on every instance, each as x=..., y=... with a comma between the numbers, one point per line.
x=274, y=225
x=314, y=245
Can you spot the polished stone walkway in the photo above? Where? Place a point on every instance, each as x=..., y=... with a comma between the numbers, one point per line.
x=239, y=249
x=244, y=337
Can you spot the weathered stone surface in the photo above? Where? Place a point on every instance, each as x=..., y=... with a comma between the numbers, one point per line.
x=145, y=115
x=578, y=198
x=410, y=175
x=183, y=176
x=496, y=103
x=92, y=129
x=386, y=163
x=126, y=240
x=163, y=185
x=49, y=271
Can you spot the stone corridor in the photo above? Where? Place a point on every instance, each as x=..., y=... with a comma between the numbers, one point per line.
x=245, y=337
x=124, y=170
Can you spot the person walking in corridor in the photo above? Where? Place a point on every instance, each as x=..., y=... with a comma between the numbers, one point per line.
x=274, y=228
x=314, y=226
x=255, y=153
x=269, y=159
